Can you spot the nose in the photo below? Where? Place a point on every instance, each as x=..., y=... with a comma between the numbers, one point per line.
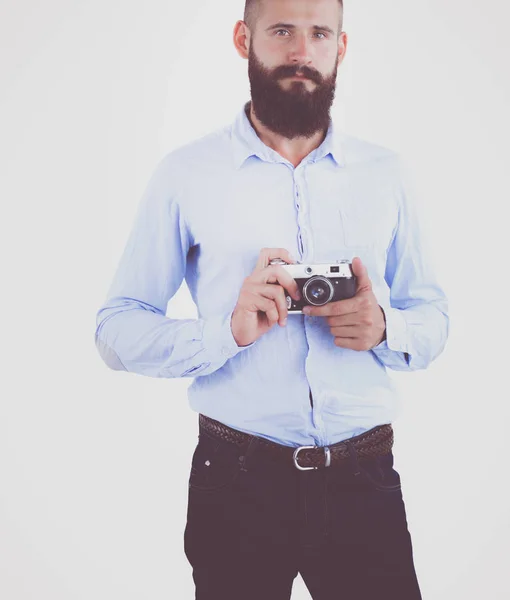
x=301, y=50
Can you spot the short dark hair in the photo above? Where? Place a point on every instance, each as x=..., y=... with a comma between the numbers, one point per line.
x=251, y=10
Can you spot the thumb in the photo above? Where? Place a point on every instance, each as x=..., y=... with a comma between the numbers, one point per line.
x=360, y=271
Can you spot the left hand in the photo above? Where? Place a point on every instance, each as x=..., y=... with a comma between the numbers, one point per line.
x=357, y=323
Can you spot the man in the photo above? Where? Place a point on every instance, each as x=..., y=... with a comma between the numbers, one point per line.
x=293, y=470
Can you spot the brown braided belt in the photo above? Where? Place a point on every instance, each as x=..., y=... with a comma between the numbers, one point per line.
x=375, y=442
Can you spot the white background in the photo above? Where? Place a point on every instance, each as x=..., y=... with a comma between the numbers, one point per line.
x=94, y=463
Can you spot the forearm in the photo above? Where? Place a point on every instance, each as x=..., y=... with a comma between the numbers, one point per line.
x=131, y=337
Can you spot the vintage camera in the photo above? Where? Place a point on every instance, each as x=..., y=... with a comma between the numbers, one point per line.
x=319, y=283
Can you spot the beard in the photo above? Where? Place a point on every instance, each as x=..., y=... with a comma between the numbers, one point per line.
x=293, y=112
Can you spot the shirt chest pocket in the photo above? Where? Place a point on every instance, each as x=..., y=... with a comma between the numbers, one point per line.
x=366, y=226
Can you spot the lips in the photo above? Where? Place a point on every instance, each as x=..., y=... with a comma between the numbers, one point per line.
x=303, y=77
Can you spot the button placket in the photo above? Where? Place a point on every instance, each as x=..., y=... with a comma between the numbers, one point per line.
x=300, y=206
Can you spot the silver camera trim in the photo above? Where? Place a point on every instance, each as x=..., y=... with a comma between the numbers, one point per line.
x=305, y=271
x=309, y=271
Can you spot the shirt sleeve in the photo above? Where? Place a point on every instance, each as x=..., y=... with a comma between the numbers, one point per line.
x=133, y=332
x=417, y=322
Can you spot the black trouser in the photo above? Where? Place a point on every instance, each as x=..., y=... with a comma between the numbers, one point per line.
x=254, y=523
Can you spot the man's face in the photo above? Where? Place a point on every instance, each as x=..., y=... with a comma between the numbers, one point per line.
x=291, y=38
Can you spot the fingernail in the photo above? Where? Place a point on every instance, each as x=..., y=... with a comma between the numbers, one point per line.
x=285, y=321
x=306, y=310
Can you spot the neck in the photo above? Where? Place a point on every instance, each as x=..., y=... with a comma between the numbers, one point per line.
x=293, y=150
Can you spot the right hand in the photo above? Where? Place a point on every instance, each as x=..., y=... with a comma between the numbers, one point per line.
x=261, y=303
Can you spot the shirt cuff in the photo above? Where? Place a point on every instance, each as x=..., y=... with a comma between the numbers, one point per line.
x=218, y=339
x=396, y=331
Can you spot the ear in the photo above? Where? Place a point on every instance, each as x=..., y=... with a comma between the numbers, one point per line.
x=242, y=39
x=342, y=47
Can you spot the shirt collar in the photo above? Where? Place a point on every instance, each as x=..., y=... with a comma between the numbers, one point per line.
x=246, y=143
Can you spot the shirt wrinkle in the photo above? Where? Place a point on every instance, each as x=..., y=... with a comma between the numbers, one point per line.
x=205, y=215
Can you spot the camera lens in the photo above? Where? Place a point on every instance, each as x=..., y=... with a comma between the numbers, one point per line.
x=318, y=291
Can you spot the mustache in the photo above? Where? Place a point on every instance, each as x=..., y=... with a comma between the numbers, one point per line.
x=291, y=71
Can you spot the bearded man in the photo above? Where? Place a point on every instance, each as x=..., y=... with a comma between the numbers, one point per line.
x=293, y=468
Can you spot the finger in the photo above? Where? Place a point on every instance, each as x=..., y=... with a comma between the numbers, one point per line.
x=277, y=274
x=332, y=309
x=347, y=331
x=345, y=320
x=275, y=293
x=349, y=343
x=361, y=273
x=272, y=315
x=254, y=297
x=265, y=305
x=267, y=254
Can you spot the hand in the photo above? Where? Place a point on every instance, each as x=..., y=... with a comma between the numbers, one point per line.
x=359, y=322
x=261, y=303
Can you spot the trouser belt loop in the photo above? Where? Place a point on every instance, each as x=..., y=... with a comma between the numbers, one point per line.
x=249, y=451
x=353, y=458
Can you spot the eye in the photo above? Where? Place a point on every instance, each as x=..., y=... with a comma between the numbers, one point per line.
x=324, y=36
x=278, y=31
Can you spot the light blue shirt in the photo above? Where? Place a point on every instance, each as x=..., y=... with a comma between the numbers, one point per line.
x=207, y=211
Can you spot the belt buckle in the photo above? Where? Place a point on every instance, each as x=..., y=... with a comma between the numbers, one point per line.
x=327, y=455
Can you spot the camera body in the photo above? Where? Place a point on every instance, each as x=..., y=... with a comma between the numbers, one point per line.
x=320, y=283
